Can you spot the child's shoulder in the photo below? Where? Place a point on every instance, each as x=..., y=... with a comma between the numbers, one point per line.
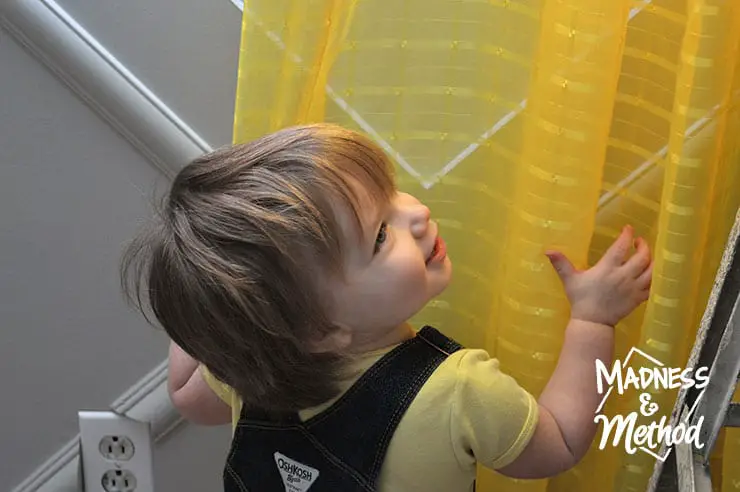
x=472, y=370
x=490, y=417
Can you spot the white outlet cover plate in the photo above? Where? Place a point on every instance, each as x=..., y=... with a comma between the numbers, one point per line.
x=96, y=425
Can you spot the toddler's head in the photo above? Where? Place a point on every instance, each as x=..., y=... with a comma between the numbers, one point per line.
x=273, y=260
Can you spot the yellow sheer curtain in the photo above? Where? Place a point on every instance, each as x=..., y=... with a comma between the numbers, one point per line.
x=527, y=124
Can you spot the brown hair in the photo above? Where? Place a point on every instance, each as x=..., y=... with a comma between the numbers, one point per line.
x=229, y=268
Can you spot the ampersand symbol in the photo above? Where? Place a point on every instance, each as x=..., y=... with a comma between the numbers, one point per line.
x=647, y=408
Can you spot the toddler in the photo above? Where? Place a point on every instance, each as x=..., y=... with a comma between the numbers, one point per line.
x=285, y=271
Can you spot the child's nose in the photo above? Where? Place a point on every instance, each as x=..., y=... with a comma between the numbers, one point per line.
x=419, y=220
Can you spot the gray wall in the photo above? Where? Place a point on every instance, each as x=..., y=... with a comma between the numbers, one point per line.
x=184, y=51
x=72, y=191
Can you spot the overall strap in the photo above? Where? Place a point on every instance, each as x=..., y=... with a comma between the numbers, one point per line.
x=359, y=426
x=342, y=448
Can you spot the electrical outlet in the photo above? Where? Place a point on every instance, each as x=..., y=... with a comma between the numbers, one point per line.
x=119, y=481
x=116, y=448
x=116, y=453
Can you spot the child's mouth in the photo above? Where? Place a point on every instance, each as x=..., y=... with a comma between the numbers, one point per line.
x=439, y=252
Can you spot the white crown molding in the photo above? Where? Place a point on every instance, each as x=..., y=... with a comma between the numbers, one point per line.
x=125, y=103
x=49, y=33
x=60, y=473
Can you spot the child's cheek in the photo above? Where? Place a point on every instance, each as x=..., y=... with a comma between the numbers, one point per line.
x=410, y=275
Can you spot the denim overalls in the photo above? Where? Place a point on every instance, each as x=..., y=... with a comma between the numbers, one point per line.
x=341, y=449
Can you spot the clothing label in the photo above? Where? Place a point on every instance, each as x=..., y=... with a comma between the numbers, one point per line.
x=297, y=477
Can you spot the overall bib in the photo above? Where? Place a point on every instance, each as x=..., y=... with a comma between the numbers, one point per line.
x=341, y=449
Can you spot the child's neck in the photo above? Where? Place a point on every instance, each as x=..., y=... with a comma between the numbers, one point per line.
x=383, y=339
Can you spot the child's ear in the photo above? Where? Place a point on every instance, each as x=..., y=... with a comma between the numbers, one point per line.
x=336, y=341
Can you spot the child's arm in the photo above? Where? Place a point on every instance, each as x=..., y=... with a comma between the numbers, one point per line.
x=190, y=393
x=600, y=297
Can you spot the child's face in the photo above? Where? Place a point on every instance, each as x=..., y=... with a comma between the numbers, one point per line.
x=397, y=268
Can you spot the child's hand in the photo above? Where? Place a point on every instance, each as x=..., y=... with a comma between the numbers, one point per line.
x=611, y=289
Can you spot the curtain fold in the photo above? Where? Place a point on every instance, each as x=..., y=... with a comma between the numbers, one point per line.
x=525, y=125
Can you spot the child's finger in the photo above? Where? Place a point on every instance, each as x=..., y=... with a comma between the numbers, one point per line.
x=645, y=280
x=644, y=295
x=562, y=265
x=617, y=252
x=641, y=259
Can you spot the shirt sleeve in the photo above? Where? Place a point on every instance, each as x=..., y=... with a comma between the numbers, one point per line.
x=493, y=418
x=225, y=392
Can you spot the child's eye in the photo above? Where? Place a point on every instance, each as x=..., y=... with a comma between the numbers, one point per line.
x=382, y=234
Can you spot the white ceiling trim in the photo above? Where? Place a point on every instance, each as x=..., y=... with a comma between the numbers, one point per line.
x=58, y=41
